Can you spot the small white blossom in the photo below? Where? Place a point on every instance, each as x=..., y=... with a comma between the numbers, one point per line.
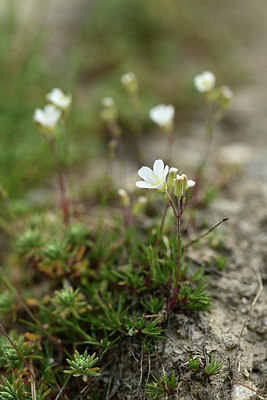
x=204, y=82
x=154, y=179
x=128, y=78
x=163, y=115
x=59, y=99
x=48, y=117
x=182, y=184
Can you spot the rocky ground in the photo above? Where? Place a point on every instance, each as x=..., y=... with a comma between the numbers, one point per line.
x=236, y=330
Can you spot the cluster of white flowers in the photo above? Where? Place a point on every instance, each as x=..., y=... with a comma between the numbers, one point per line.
x=48, y=117
x=156, y=178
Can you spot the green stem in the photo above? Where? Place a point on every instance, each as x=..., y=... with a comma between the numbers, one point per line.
x=137, y=128
x=178, y=243
x=156, y=248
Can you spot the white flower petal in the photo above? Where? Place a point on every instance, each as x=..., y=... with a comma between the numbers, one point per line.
x=147, y=174
x=190, y=183
x=144, y=185
x=159, y=186
x=158, y=167
x=166, y=170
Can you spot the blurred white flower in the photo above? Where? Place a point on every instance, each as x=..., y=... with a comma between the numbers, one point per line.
x=204, y=82
x=59, y=99
x=182, y=184
x=154, y=179
x=107, y=102
x=163, y=115
x=48, y=117
x=128, y=78
x=226, y=92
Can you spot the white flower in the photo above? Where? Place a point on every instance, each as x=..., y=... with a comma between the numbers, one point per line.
x=48, y=117
x=128, y=78
x=163, y=115
x=204, y=82
x=155, y=179
x=59, y=99
x=182, y=184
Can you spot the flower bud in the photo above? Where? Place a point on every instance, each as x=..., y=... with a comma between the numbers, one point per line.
x=130, y=83
x=173, y=172
x=123, y=197
x=227, y=97
x=109, y=110
x=180, y=185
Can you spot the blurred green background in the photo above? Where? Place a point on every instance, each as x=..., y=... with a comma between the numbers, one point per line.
x=84, y=47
